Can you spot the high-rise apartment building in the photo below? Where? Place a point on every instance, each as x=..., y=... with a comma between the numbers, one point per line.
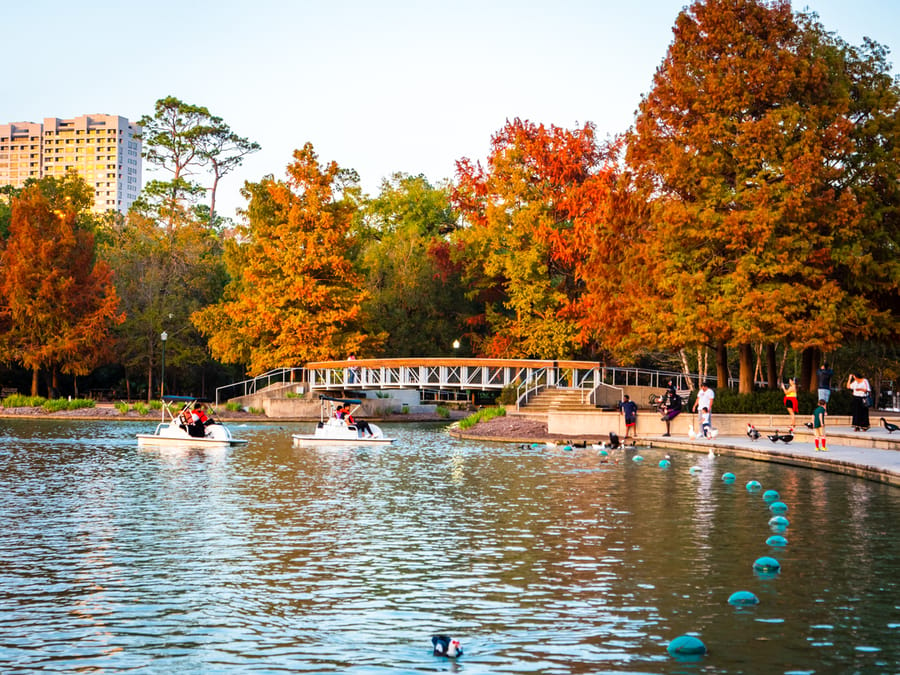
x=102, y=149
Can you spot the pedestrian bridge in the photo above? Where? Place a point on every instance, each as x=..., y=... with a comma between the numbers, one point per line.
x=455, y=378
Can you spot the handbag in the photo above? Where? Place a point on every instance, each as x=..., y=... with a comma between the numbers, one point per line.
x=869, y=402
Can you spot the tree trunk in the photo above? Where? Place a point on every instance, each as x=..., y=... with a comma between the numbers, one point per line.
x=771, y=366
x=150, y=382
x=746, y=375
x=721, y=366
x=35, y=381
x=816, y=361
x=806, y=368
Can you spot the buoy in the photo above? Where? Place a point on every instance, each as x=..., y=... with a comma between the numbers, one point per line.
x=604, y=453
x=771, y=496
x=729, y=477
x=754, y=485
x=695, y=469
x=686, y=646
x=776, y=540
x=766, y=564
x=742, y=599
x=567, y=448
x=779, y=523
x=637, y=458
x=778, y=507
x=664, y=464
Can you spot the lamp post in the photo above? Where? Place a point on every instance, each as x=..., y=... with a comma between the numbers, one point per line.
x=456, y=344
x=162, y=380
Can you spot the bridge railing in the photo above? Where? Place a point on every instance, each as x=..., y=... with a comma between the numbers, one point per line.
x=260, y=382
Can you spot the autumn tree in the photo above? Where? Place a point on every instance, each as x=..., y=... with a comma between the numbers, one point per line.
x=294, y=295
x=515, y=247
x=57, y=301
x=414, y=299
x=738, y=152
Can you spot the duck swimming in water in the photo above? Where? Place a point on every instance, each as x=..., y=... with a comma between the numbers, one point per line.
x=444, y=645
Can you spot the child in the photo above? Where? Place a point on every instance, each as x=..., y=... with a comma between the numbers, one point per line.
x=704, y=422
x=819, y=426
x=790, y=399
x=629, y=409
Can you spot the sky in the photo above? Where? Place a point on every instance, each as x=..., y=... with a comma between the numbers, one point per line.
x=379, y=87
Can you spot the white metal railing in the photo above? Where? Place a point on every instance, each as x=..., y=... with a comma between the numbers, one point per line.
x=255, y=384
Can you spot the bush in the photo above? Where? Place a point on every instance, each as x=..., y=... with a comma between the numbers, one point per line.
x=257, y=411
x=233, y=406
x=22, y=401
x=156, y=404
x=57, y=404
x=141, y=408
x=122, y=407
x=482, y=415
x=508, y=394
x=442, y=411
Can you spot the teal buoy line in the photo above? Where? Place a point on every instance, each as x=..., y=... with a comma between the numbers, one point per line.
x=729, y=477
x=754, y=486
x=637, y=458
x=686, y=647
x=778, y=507
x=771, y=496
x=742, y=599
x=664, y=464
x=776, y=540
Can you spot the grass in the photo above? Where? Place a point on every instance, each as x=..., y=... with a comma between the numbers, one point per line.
x=442, y=411
x=57, y=404
x=232, y=406
x=482, y=415
x=22, y=401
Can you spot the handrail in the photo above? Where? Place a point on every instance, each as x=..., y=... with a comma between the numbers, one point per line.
x=251, y=385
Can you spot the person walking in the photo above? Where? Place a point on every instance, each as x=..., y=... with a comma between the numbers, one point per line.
x=629, y=409
x=859, y=409
x=823, y=377
x=705, y=397
x=819, y=426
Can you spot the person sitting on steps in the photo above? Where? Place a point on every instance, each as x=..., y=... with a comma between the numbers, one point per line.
x=670, y=408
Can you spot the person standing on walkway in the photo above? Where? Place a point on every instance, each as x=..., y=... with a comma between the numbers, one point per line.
x=704, y=400
x=823, y=376
x=629, y=409
x=819, y=426
x=790, y=399
x=859, y=409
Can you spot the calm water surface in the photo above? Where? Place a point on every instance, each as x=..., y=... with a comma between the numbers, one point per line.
x=275, y=559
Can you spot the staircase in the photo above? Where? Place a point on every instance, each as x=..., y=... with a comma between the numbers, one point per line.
x=553, y=399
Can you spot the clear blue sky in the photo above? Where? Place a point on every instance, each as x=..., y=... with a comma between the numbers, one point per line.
x=378, y=87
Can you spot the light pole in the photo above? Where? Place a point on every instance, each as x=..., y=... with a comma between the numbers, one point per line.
x=162, y=380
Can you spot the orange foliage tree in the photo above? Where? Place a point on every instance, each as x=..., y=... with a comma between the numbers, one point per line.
x=57, y=301
x=516, y=247
x=294, y=295
x=735, y=151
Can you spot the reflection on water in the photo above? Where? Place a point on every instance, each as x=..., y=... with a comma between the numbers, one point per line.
x=270, y=558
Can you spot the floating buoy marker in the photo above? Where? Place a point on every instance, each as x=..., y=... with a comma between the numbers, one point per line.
x=742, y=599
x=687, y=647
x=779, y=523
x=766, y=564
x=664, y=464
x=753, y=486
x=778, y=507
x=771, y=496
x=776, y=540
x=729, y=477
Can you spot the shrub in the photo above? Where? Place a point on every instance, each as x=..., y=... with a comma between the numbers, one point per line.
x=770, y=402
x=442, y=411
x=257, y=411
x=57, y=404
x=156, y=404
x=122, y=407
x=22, y=401
x=404, y=409
x=233, y=406
x=141, y=408
x=482, y=415
x=508, y=394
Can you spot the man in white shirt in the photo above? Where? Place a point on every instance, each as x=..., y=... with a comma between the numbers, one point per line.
x=704, y=400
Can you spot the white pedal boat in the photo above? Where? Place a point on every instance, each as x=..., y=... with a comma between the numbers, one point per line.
x=341, y=430
x=177, y=432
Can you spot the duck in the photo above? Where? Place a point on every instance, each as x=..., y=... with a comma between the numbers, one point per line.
x=753, y=432
x=891, y=428
x=691, y=433
x=444, y=645
x=774, y=437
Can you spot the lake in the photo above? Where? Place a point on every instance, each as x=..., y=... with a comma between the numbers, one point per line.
x=272, y=559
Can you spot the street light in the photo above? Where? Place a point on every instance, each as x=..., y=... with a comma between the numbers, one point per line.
x=456, y=344
x=162, y=380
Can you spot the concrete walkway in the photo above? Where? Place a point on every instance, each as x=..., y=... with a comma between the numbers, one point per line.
x=872, y=454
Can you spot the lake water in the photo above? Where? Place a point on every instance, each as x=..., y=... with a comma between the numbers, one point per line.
x=274, y=559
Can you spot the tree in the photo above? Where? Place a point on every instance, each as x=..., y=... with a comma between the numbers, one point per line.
x=413, y=300
x=170, y=140
x=223, y=151
x=516, y=247
x=57, y=300
x=294, y=295
x=737, y=149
